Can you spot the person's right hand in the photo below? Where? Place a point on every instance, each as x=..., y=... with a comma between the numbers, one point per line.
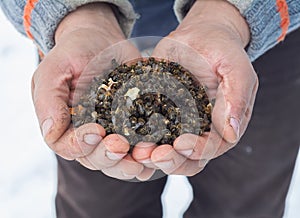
x=210, y=43
x=81, y=36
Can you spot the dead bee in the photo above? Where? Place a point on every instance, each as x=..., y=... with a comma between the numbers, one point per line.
x=152, y=115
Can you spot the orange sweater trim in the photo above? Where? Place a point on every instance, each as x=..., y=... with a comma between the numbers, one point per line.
x=282, y=8
x=27, y=16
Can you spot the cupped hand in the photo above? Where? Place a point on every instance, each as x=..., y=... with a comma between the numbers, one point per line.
x=90, y=31
x=210, y=43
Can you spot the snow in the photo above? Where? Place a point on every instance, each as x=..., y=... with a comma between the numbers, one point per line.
x=27, y=165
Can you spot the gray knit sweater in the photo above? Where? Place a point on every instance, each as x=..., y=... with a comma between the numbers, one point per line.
x=269, y=20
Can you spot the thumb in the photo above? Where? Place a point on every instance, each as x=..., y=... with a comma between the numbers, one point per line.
x=235, y=97
x=50, y=93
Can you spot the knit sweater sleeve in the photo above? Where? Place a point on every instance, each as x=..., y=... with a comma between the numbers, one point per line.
x=269, y=20
x=38, y=19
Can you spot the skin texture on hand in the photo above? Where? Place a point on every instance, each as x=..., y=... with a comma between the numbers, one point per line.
x=84, y=34
x=210, y=43
x=212, y=38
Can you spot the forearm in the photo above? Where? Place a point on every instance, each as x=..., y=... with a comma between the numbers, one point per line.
x=269, y=20
x=203, y=13
x=95, y=16
x=38, y=19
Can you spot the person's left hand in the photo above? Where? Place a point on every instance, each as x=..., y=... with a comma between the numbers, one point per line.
x=86, y=41
x=211, y=46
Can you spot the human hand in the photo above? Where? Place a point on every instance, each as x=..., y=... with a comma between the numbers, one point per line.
x=210, y=43
x=81, y=36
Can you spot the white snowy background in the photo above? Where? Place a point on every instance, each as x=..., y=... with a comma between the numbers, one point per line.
x=28, y=167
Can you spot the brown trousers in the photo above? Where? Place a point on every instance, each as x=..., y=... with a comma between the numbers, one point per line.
x=249, y=181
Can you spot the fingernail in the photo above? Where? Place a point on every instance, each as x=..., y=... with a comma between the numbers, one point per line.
x=92, y=139
x=115, y=156
x=234, y=123
x=130, y=176
x=186, y=153
x=46, y=126
x=145, y=161
x=165, y=164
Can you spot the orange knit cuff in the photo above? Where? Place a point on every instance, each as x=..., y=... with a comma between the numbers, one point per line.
x=282, y=8
x=27, y=16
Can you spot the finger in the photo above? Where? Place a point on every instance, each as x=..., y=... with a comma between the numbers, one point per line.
x=75, y=143
x=142, y=153
x=190, y=145
x=127, y=168
x=166, y=158
x=203, y=147
x=146, y=174
x=112, y=149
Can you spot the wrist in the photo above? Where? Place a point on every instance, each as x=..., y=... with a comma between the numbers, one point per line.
x=96, y=16
x=220, y=12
